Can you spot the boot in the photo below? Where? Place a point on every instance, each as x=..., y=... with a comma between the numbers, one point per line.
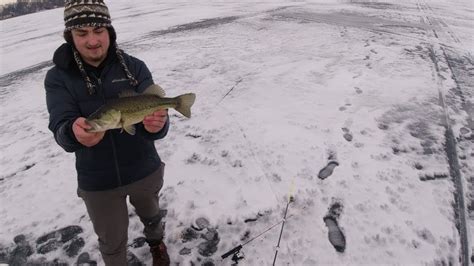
x=159, y=254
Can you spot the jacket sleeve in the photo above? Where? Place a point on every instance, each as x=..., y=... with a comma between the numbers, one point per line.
x=144, y=78
x=63, y=111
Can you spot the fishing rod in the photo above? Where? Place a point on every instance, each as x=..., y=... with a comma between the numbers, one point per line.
x=235, y=252
x=290, y=199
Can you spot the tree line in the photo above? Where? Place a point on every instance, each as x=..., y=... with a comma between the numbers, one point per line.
x=23, y=7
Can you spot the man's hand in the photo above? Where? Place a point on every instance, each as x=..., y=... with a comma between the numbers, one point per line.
x=87, y=139
x=156, y=121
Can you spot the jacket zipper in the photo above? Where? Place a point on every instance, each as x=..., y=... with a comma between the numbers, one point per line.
x=111, y=137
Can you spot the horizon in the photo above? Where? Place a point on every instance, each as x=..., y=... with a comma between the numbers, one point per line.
x=4, y=2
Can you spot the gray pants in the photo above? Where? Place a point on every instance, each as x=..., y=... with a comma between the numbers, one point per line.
x=109, y=215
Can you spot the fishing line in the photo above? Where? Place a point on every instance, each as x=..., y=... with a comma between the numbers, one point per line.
x=257, y=162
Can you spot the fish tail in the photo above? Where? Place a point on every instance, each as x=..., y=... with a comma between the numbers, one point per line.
x=185, y=102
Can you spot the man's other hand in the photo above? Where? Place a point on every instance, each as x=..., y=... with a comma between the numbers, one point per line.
x=156, y=121
x=87, y=139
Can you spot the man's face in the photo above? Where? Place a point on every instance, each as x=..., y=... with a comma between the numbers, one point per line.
x=91, y=43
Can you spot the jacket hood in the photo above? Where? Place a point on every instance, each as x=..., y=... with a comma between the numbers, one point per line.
x=63, y=56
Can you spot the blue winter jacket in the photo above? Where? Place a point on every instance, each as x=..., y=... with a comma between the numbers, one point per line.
x=119, y=158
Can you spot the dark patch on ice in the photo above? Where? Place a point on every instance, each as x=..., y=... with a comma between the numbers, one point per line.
x=64, y=234
x=196, y=158
x=210, y=235
x=55, y=239
x=348, y=136
x=335, y=210
x=208, y=262
x=357, y=89
x=193, y=159
x=24, y=168
x=276, y=177
x=185, y=251
x=382, y=126
x=139, y=14
x=208, y=248
x=445, y=261
x=27, y=167
x=327, y=170
x=462, y=69
x=198, y=25
x=426, y=235
x=278, y=9
x=73, y=248
x=417, y=51
x=246, y=236
x=464, y=130
x=248, y=220
x=133, y=260
x=194, y=136
x=8, y=79
x=428, y=177
x=36, y=37
x=397, y=150
x=201, y=231
x=44, y=261
x=189, y=234
x=138, y=242
x=200, y=224
x=375, y=5
x=20, y=254
x=3, y=255
x=418, y=166
x=84, y=259
x=451, y=144
x=237, y=163
x=349, y=19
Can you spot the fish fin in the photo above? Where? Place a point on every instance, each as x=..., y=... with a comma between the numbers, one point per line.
x=130, y=129
x=185, y=102
x=155, y=89
x=127, y=93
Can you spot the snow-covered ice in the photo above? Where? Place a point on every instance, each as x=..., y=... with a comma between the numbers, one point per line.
x=283, y=88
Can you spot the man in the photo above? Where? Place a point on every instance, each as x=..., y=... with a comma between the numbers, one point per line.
x=89, y=71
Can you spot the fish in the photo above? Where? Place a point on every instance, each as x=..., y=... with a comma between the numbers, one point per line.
x=132, y=107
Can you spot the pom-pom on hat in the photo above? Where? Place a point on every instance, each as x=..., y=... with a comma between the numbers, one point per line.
x=86, y=13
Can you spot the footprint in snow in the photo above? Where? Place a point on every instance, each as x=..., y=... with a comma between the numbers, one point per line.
x=200, y=229
x=347, y=134
x=327, y=170
x=335, y=235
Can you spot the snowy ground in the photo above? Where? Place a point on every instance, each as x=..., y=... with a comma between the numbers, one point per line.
x=282, y=89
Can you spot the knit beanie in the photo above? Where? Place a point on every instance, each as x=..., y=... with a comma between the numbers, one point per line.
x=86, y=13
x=91, y=13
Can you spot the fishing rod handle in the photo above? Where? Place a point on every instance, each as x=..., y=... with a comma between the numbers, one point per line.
x=232, y=251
